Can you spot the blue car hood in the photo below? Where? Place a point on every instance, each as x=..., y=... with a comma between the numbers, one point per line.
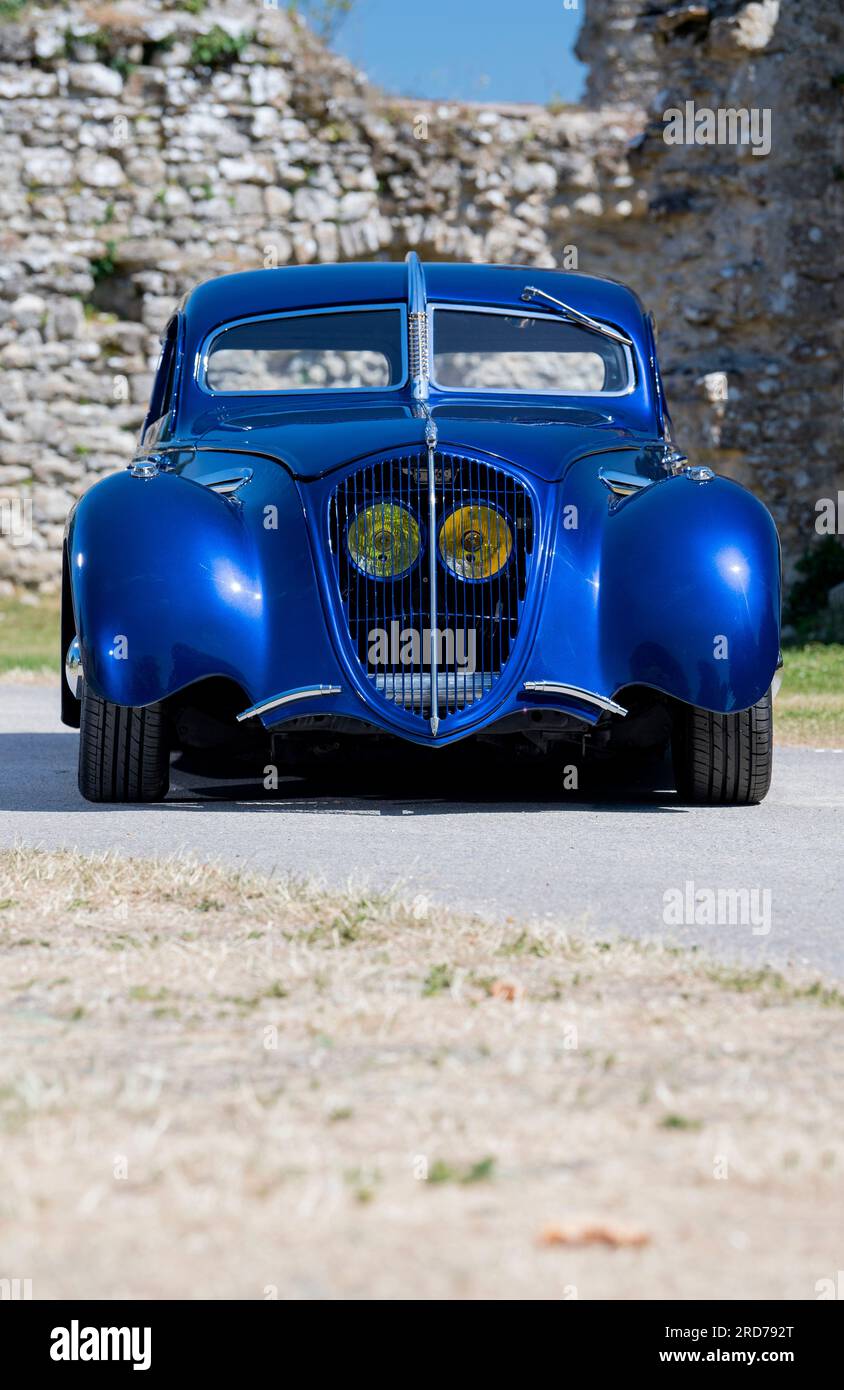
x=543, y=440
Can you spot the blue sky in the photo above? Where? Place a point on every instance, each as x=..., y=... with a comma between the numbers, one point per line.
x=477, y=50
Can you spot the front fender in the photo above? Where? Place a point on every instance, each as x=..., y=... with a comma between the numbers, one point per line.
x=173, y=583
x=676, y=587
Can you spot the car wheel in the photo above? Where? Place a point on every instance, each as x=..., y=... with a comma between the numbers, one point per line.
x=724, y=758
x=124, y=753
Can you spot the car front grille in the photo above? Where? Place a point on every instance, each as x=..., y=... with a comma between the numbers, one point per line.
x=479, y=516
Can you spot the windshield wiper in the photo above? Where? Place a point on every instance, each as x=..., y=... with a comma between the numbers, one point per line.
x=574, y=316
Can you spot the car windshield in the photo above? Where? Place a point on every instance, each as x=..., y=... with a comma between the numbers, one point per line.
x=351, y=350
x=486, y=350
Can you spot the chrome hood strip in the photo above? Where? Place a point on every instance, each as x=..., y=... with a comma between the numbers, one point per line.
x=417, y=327
x=431, y=442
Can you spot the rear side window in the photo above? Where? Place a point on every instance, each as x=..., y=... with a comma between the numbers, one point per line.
x=487, y=351
x=350, y=350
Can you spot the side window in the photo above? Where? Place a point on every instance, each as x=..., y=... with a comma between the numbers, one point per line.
x=162, y=387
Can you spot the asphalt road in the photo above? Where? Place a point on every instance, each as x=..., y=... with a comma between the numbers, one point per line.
x=491, y=839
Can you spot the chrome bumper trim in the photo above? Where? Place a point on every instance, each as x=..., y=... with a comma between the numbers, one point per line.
x=556, y=688
x=289, y=697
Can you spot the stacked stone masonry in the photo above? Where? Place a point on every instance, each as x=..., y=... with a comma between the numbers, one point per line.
x=146, y=147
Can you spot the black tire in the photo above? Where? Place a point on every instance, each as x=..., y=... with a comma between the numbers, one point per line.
x=724, y=759
x=124, y=753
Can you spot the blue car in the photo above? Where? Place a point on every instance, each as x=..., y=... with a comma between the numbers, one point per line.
x=424, y=502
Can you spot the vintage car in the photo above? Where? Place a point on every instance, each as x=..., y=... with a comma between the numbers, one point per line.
x=424, y=502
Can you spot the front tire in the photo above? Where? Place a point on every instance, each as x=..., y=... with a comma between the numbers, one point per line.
x=124, y=752
x=724, y=759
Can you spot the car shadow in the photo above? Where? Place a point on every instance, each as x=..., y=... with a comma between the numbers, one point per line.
x=40, y=775
x=423, y=782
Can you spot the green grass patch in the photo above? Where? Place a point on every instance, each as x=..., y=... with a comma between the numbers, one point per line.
x=766, y=981
x=438, y=980
x=481, y=1171
x=809, y=708
x=29, y=634
x=816, y=668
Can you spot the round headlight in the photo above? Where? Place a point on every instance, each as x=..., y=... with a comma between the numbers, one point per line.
x=475, y=542
x=383, y=540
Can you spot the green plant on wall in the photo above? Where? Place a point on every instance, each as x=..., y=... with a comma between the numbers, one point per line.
x=108, y=54
x=104, y=265
x=218, y=48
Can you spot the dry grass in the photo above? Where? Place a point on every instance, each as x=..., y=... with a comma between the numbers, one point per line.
x=26, y=675
x=810, y=721
x=217, y=1085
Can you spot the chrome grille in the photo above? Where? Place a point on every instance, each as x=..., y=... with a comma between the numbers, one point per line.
x=477, y=621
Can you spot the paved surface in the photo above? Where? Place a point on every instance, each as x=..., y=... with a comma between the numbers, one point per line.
x=601, y=861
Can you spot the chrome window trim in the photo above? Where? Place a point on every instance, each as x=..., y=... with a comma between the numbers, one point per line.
x=515, y=312
x=201, y=371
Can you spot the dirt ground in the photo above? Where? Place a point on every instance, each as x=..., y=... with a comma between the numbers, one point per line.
x=220, y=1086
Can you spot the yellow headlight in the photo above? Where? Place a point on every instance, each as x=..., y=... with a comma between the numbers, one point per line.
x=383, y=540
x=475, y=542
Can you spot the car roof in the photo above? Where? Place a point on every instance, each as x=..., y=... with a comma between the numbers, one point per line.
x=371, y=282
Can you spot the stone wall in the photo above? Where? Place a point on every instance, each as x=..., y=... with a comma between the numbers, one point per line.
x=740, y=255
x=147, y=147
